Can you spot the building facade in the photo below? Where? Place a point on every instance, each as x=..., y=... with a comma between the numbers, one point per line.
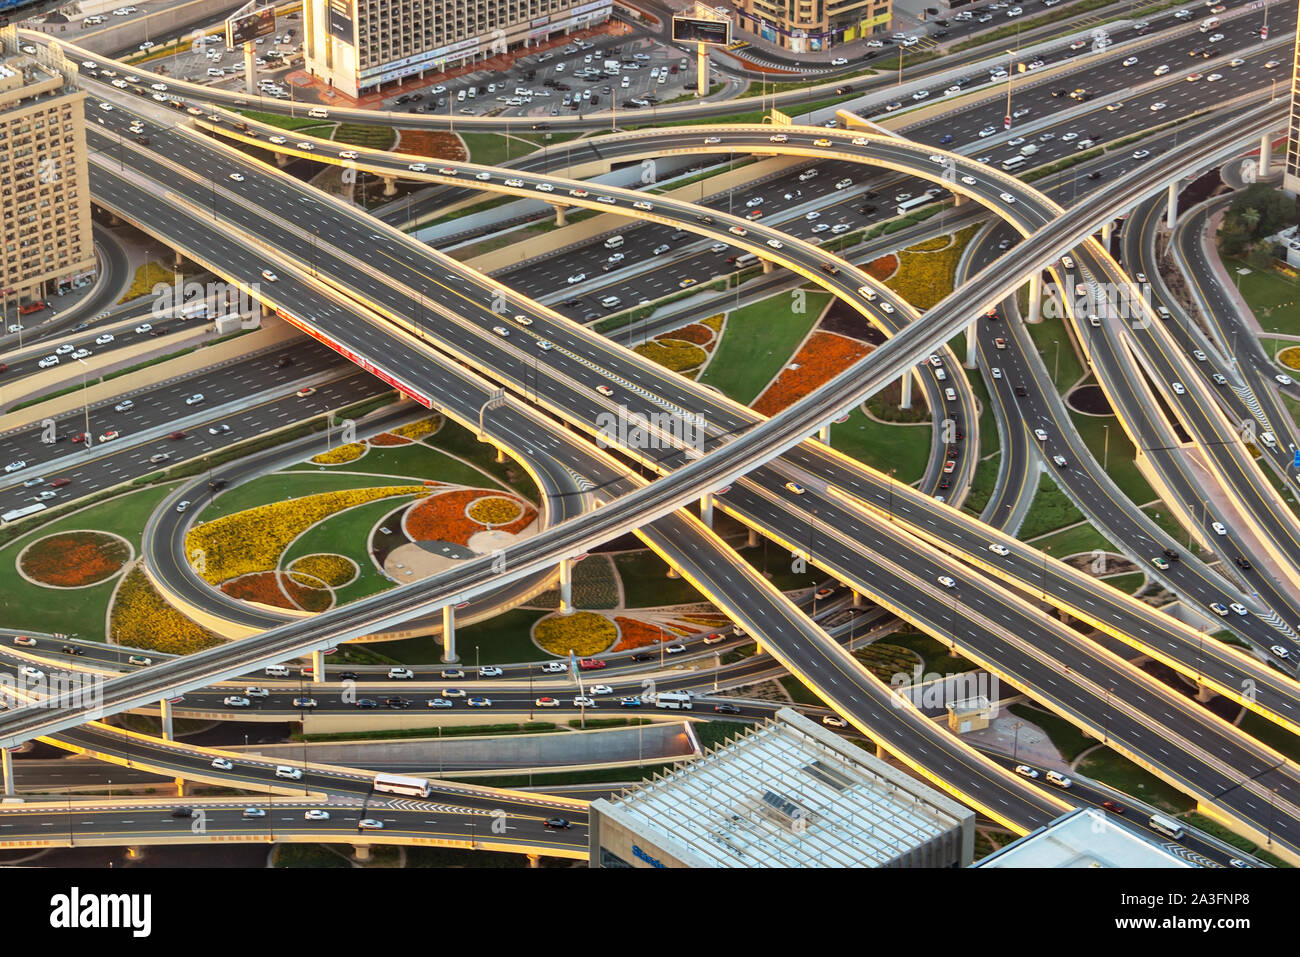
x=1291, y=179
x=47, y=243
x=787, y=794
x=358, y=45
x=809, y=26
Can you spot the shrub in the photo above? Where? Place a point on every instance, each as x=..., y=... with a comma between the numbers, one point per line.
x=71, y=559
x=343, y=453
x=333, y=570
x=146, y=277
x=262, y=587
x=882, y=268
x=252, y=540
x=418, y=430
x=924, y=277
x=141, y=618
x=696, y=333
x=583, y=632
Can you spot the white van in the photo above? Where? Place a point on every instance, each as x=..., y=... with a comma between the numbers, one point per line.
x=1029, y=149
x=1060, y=780
x=1269, y=440
x=614, y=242
x=609, y=302
x=317, y=113
x=277, y=671
x=1209, y=24
x=284, y=771
x=950, y=395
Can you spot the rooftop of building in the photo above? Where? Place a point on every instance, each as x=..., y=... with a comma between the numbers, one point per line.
x=1085, y=838
x=788, y=794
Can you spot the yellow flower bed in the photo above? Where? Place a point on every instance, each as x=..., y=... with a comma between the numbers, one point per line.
x=673, y=354
x=924, y=278
x=146, y=277
x=418, y=430
x=495, y=510
x=1290, y=357
x=333, y=570
x=714, y=322
x=930, y=245
x=252, y=540
x=583, y=632
x=344, y=453
x=141, y=618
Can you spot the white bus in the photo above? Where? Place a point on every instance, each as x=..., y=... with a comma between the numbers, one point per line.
x=1165, y=826
x=396, y=784
x=17, y=513
x=907, y=205
x=745, y=259
x=674, y=700
x=1014, y=162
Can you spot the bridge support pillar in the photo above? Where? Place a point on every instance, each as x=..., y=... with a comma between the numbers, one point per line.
x=857, y=599
x=824, y=434
x=534, y=860
x=751, y=539
x=767, y=266
x=390, y=186
x=971, y=344
x=672, y=572
x=1105, y=234
x=180, y=787
x=1265, y=155
x=318, y=665
x=561, y=215
x=281, y=159
x=1171, y=208
x=1035, y=298
x=166, y=712
x=706, y=509
x=177, y=260
x=566, y=586
x=501, y=455
x=266, y=311
x=361, y=851
x=449, y=633
x=958, y=200
x=882, y=753
x=7, y=762
x=905, y=390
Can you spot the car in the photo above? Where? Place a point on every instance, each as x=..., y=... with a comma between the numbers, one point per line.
x=821, y=142
x=1239, y=608
x=999, y=343
x=1130, y=61
x=437, y=703
x=795, y=488
x=254, y=812
x=1219, y=609
x=556, y=824
x=1192, y=77
x=724, y=708
x=1236, y=61
x=478, y=701
x=1157, y=107
x=1178, y=387
x=999, y=549
x=305, y=146
x=400, y=674
x=490, y=671
x=48, y=361
x=1113, y=807
x=946, y=581
x=1025, y=771
x=303, y=393
x=554, y=667
x=1280, y=651
x=316, y=814
x=144, y=327
x=223, y=764
x=1282, y=379
x=1216, y=37
x=195, y=399
x=220, y=429
x=1242, y=563
x=82, y=354
x=304, y=702
x=366, y=703
x=675, y=649
x=1219, y=528
x=255, y=692
x=1006, y=197
x=24, y=641
x=269, y=276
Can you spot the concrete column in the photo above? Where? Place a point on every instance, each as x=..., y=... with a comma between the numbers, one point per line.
x=857, y=599
x=361, y=851
x=881, y=753
x=7, y=762
x=177, y=261
x=560, y=212
x=390, y=186
x=971, y=344
x=767, y=266
x=1265, y=154
x=1035, y=298
x=167, y=720
x=180, y=787
x=266, y=311
x=706, y=509
x=281, y=159
x=672, y=572
x=905, y=390
x=501, y=455
x=1105, y=234
x=751, y=540
x=449, y=633
x=1171, y=210
x=534, y=860
x=566, y=586
x=318, y=665
x=824, y=434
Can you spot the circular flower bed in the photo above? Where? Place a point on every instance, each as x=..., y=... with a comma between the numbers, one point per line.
x=344, y=453
x=327, y=568
x=279, y=591
x=1290, y=357
x=494, y=510
x=583, y=632
x=74, y=559
x=444, y=518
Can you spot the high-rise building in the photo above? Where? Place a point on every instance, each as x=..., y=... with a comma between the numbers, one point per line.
x=1291, y=179
x=44, y=183
x=357, y=45
x=804, y=26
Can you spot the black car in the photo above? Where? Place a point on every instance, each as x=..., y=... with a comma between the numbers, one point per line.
x=283, y=361
x=69, y=650
x=1095, y=174
x=1170, y=554
x=397, y=703
x=1240, y=562
x=726, y=709
x=183, y=812
x=347, y=676
x=1021, y=391
x=643, y=656
x=556, y=824
x=367, y=703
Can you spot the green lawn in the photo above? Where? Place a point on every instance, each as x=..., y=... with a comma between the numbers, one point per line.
x=493, y=149
x=415, y=461
x=1051, y=510
x=934, y=653
x=1160, y=514
x=884, y=446
x=1071, y=541
x=1129, y=584
x=1119, y=772
x=982, y=484
x=758, y=341
x=283, y=122
x=1271, y=734
x=646, y=583
x=798, y=691
x=1053, y=343
x=347, y=534
x=1272, y=298
x=502, y=639
x=1118, y=453
x=365, y=135
x=777, y=564
x=1069, y=740
x=78, y=611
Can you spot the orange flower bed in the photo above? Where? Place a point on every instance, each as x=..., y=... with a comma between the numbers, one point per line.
x=306, y=597
x=442, y=518
x=882, y=268
x=635, y=633
x=71, y=559
x=387, y=438
x=431, y=143
x=263, y=587
x=822, y=356
x=696, y=333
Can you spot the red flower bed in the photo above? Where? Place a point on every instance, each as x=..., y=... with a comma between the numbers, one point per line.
x=263, y=587
x=307, y=598
x=696, y=333
x=882, y=268
x=635, y=633
x=387, y=438
x=71, y=559
x=442, y=517
x=822, y=356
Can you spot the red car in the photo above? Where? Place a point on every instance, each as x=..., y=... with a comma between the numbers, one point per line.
x=590, y=664
x=79, y=437
x=1113, y=807
x=177, y=435
x=60, y=482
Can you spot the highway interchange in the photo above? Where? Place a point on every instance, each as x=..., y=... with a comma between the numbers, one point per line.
x=836, y=528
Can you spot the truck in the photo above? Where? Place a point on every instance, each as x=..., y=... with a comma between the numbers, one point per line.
x=613, y=66
x=1029, y=149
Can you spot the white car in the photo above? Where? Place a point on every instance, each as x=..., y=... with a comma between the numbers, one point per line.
x=1157, y=107
x=82, y=354
x=834, y=721
x=490, y=671
x=600, y=689
x=236, y=701
x=15, y=466
x=254, y=812
x=315, y=814
x=1219, y=528
x=969, y=180
x=1040, y=435
x=583, y=701
x=64, y=349
x=144, y=327
x=1141, y=154
x=195, y=399
x=1280, y=651
x=1130, y=61
x=1025, y=771
x=947, y=582
x=223, y=764
x=839, y=61
x=998, y=549
x=1006, y=197
x=27, y=671
x=545, y=188
x=1178, y=388
x=401, y=674
x=1239, y=608
x=370, y=824
x=577, y=277
x=269, y=276
x=987, y=131
x=1282, y=379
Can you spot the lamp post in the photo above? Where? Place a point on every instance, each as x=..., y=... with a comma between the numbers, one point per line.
x=85, y=401
x=1105, y=449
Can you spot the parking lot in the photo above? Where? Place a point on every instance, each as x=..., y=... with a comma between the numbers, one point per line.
x=562, y=81
x=209, y=60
